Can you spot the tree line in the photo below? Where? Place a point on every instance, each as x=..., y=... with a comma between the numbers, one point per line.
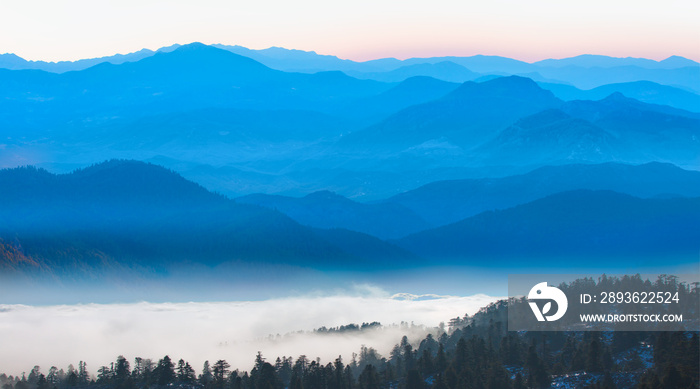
x=467, y=358
x=474, y=352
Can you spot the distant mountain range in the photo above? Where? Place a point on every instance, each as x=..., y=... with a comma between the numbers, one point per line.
x=14, y=62
x=601, y=61
x=189, y=77
x=512, y=121
x=445, y=71
x=465, y=117
x=612, y=129
x=445, y=202
x=127, y=216
x=412, y=91
x=240, y=127
x=584, y=71
x=645, y=91
x=329, y=210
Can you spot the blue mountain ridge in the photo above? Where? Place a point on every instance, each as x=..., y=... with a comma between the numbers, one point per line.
x=241, y=127
x=592, y=228
x=121, y=215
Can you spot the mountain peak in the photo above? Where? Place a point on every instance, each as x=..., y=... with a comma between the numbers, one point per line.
x=12, y=61
x=198, y=50
x=194, y=46
x=121, y=164
x=324, y=195
x=510, y=86
x=676, y=60
x=11, y=56
x=514, y=80
x=616, y=97
x=422, y=82
x=197, y=61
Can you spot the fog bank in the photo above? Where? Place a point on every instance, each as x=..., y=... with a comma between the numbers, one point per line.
x=235, y=331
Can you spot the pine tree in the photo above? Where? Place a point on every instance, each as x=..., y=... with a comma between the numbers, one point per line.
x=425, y=363
x=267, y=378
x=121, y=371
x=537, y=374
x=206, y=377
x=220, y=372
x=165, y=371
x=594, y=356
x=414, y=380
x=185, y=372
x=441, y=358
x=33, y=377
x=339, y=381
x=369, y=378
x=83, y=375
x=296, y=382
x=42, y=383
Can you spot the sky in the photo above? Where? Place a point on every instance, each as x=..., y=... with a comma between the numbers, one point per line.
x=528, y=30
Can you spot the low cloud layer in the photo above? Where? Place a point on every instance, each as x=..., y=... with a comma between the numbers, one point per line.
x=97, y=333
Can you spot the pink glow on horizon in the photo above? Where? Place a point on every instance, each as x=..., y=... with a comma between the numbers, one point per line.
x=362, y=30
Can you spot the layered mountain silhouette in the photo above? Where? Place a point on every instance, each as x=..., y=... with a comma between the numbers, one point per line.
x=584, y=71
x=228, y=119
x=190, y=77
x=465, y=117
x=593, y=227
x=552, y=137
x=14, y=62
x=341, y=167
x=311, y=62
x=446, y=71
x=644, y=91
x=329, y=210
x=445, y=202
x=612, y=129
x=412, y=91
x=602, y=61
x=132, y=215
x=687, y=77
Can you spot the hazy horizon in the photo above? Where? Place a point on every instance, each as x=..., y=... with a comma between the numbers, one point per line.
x=359, y=59
x=366, y=30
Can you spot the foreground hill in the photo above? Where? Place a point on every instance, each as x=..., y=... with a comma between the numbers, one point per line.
x=126, y=214
x=591, y=226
